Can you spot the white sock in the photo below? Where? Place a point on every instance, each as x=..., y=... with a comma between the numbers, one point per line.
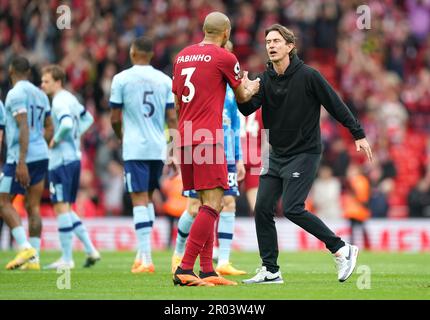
x=142, y=226
x=20, y=237
x=65, y=230
x=225, y=236
x=184, y=225
x=82, y=233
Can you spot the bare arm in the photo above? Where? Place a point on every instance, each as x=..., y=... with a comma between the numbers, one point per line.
x=1, y=138
x=116, y=121
x=22, y=174
x=21, y=119
x=49, y=129
x=177, y=106
x=171, y=118
x=241, y=172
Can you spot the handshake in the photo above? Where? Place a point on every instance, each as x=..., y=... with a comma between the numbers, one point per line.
x=247, y=89
x=251, y=85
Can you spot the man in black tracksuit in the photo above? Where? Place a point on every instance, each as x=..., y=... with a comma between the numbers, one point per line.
x=291, y=94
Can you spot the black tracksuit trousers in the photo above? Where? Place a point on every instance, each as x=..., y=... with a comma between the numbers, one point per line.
x=290, y=177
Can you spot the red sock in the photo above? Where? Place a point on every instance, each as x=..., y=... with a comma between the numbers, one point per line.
x=206, y=254
x=216, y=241
x=201, y=231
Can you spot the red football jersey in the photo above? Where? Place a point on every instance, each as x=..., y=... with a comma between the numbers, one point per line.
x=200, y=75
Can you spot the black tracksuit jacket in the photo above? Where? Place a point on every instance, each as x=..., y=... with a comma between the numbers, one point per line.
x=291, y=105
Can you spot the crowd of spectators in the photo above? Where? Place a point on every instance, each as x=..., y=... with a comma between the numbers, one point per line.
x=382, y=73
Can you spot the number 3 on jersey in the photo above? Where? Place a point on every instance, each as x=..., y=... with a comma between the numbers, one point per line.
x=188, y=72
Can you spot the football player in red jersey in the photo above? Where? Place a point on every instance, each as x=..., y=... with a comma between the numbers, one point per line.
x=200, y=75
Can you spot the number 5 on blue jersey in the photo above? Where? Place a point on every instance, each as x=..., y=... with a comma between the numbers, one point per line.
x=139, y=99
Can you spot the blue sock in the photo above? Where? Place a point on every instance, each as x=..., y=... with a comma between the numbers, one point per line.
x=151, y=211
x=20, y=237
x=184, y=226
x=225, y=236
x=82, y=233
x=142, y=226
x=35, y=243
x=65, y=229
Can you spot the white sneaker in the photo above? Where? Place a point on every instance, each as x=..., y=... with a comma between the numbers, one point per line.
x=265, y=277
x=346, y=259
x=60, y=263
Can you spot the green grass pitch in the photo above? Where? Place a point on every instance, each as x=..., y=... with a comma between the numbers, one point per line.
x=307, y=275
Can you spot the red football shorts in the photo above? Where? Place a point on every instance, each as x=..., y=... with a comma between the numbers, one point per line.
x=204, y=167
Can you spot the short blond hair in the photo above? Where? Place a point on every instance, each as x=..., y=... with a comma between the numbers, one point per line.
x=56, y=72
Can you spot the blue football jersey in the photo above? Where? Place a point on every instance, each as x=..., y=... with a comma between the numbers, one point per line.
x=65, y=104
x=26, y=97
x=143, y=93
x=2, y=116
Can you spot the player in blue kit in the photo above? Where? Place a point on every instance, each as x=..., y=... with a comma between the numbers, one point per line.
x=71, y=121
x=2, y=125
x=27, y=125
x=2, y=122
x=236, y=172
x=142, y=101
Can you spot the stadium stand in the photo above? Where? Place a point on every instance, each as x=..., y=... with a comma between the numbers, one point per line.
x=382, y=73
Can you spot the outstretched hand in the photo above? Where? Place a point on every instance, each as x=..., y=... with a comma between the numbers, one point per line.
x=173, y=166
x=22, y=175
x=241, y=172
x=363, y=145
